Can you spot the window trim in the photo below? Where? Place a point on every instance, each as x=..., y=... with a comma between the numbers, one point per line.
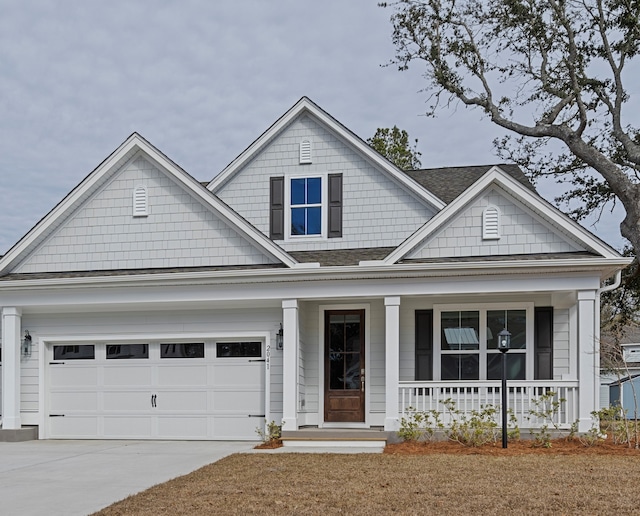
x=483, y=351
x=324, y=207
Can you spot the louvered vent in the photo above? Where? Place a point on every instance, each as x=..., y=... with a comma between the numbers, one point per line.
x=305, y=151
x=140, y=202
x=491, y=223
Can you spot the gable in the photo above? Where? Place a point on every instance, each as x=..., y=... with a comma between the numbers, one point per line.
x=521, y=231
x=377, y=209
x=179, y=230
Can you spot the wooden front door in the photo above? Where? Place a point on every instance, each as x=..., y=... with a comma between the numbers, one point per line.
x=344, y=373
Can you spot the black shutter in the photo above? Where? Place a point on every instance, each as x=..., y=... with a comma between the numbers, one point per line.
x=335, y=205
x=543, y=343
x=424, y=345
x=276, y=212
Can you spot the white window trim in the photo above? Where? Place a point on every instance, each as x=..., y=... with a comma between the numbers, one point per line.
x=482, y=309
x=288, y=237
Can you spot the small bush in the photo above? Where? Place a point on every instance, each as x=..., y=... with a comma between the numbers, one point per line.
x=272, y=433
x=419, y=426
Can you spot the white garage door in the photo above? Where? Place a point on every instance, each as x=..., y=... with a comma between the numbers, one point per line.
x=157, y=391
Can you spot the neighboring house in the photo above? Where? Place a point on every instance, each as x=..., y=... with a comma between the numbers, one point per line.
x=612, y=382
x=154, y=305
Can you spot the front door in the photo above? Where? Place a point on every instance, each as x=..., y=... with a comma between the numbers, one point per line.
x=344, y=366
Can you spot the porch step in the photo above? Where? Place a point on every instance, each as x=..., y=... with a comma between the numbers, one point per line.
x=335, y=438
x=27, y=433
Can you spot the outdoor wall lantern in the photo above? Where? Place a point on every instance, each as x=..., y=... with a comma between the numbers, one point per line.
x=26, y=344
x=280, y=338
x=504, y=341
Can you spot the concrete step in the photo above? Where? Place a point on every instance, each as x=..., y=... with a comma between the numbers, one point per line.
x=335, y=438
x=27, y=433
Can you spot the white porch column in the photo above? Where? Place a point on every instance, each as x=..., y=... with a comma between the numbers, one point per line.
x=290, y=364
x=588, y=358
x=11, y=340
x=392, y=362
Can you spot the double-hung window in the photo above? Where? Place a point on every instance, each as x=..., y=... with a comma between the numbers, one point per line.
x=467, y=342
x=306, y=206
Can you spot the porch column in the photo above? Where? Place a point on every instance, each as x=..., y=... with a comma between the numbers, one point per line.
x=11, y=340
x=290, y=364
x=392, y=362
x=588, y=359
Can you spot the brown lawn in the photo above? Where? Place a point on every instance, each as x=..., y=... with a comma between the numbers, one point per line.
x=439, y=478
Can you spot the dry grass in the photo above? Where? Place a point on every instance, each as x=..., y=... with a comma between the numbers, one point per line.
x=481, y=481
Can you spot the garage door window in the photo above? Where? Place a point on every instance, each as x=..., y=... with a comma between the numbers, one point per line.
x=190, y=350
x=238, y=349
x=81, y=352
x=127, y=351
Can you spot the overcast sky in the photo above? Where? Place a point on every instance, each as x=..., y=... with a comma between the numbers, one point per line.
x=199, y=79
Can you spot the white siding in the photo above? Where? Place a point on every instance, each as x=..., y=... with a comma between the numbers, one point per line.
x=376, y=210
x=521, y=232
x=561, y=362
x=179, y=231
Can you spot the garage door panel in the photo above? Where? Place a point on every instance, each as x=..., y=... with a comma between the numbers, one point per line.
x=127, y=427
x=184, y=401
x=82, y=401
x=127, y=375
x=239, y=374
x=247, y=402
x=126, y=400
x=178, y=375
x=237, y=427
x=183, y=427
x=63, y=375
x=74, y=427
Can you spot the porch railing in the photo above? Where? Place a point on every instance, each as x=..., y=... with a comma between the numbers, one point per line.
x=474, y=395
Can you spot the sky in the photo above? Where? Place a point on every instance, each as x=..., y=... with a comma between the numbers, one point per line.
x=201, y=80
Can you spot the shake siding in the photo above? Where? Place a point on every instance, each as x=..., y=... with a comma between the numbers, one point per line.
x=521, y=232
x=179, y=231
x=376, y=211
x=141, y=323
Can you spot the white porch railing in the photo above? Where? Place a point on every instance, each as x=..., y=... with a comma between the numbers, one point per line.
x=473, y=395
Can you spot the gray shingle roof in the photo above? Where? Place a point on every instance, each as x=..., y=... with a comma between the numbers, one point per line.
x=449, y=182
x=341, y=257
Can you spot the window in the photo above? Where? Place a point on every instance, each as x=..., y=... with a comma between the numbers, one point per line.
x=238, y=349
x=306, y=206
x=191, y=350
x=80, y=352
x=468, y=343
x=127, y=351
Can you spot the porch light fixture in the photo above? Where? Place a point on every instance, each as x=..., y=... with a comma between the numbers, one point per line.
x=504, y=342
x=280, y=338
x=26, y=344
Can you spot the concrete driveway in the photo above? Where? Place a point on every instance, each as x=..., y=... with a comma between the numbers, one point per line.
x=80, y=477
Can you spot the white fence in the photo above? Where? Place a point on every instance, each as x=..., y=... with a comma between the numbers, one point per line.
x=474, y=395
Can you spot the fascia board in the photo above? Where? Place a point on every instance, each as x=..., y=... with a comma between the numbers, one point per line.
x=496, y=176
x=77, y=193
x=603, y=266
x=307, y=105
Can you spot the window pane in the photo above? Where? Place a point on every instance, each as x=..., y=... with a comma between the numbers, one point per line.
x=82, y=352
x=352, y=373
x=314, y=190
x=314, y=221
x=336, y=334
x=460, y=367
x=460, y=330
x=298, y=191
x=336, y=371
x=125, y=351
x=515, y=321
x=516, y=366
x=195, y=350
x=297, y=221
x=238, y=349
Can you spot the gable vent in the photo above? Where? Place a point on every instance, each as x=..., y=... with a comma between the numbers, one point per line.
x=305, y=151
x=140, y=202
x=491, y=223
